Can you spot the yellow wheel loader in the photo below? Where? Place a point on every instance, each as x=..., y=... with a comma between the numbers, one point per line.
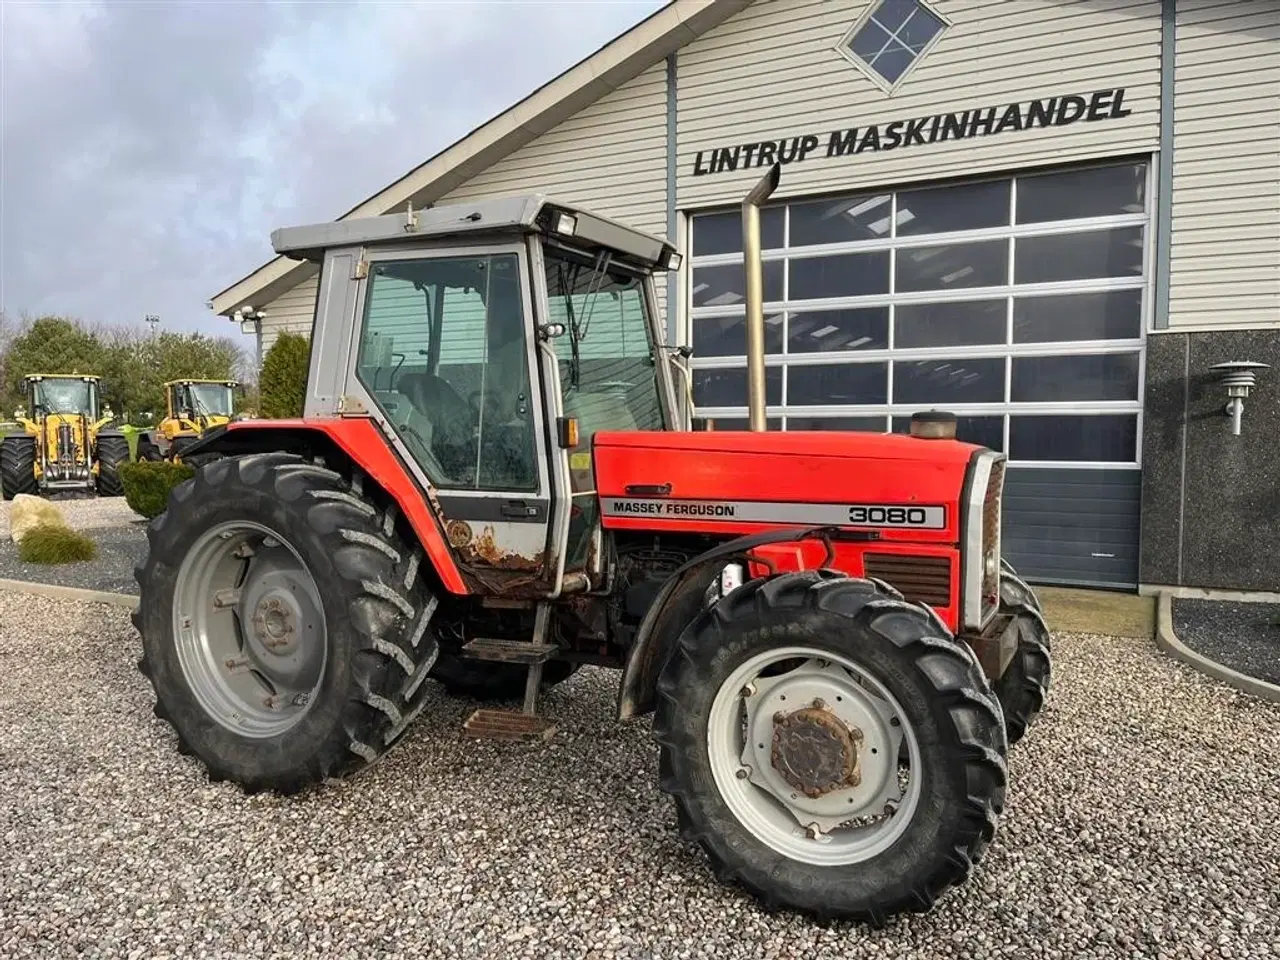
x=63, y=445
x=194, y=407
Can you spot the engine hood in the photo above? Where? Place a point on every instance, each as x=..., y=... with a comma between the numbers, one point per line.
x=798, y=443
x=742, y=478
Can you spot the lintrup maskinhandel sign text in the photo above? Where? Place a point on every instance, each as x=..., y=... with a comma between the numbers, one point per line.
x=981, y=122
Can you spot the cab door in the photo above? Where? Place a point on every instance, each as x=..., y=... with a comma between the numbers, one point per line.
x=601, y=371
x=443, y=356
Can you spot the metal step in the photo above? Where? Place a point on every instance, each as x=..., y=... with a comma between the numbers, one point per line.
x=508, y=725
x=509, y=651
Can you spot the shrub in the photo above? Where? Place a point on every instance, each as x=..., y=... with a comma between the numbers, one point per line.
x=56, y=544
x=283, y=380
x=147, y=484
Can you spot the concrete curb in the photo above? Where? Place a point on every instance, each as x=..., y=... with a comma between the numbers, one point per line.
x=1168, y=641
x=56, y=592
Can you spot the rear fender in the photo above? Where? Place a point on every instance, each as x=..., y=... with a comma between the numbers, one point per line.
x=681, y=600
x=360, y=442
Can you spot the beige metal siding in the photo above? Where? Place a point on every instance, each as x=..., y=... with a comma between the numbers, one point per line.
x=610, y=158
x=1225, y=269
x=294, y=311
x=773, y=71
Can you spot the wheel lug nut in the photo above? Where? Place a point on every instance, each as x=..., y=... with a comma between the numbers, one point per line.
x=819, y=704
x=779, y=717
x=744, y=773
x=748, y=691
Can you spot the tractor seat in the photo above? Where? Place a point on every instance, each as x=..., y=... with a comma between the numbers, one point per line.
x=453, y=423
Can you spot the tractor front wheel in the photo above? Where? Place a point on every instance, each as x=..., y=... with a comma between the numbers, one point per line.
x=113, y=450
x=284, y=621
x=18, y=465
x=830, y=748
x=1023, y=689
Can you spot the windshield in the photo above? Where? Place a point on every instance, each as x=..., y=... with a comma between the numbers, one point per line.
x=606, y=356
x=211, y=399
x=66, y=396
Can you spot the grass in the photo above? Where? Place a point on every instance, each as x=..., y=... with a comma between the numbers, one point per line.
x=56, y=545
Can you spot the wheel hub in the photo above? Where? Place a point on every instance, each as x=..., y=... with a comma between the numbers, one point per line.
x=820, y=743
x=275, y=623
x=815, y=751
x=281, y=620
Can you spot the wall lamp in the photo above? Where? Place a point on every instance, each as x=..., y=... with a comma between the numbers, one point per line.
x=1239, y=377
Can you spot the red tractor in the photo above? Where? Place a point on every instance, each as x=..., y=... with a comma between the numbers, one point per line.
x=496, y=481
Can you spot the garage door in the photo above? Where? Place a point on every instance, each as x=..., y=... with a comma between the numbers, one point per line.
x=1016, y=302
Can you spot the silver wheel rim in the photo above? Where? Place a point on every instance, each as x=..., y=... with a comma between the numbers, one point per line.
x=847, y=825
x=250, y=630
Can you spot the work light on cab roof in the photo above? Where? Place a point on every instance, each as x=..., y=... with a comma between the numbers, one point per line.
x=496, y=481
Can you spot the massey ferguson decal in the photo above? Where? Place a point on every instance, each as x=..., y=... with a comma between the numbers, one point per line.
x=878, y=515
x=920, y=131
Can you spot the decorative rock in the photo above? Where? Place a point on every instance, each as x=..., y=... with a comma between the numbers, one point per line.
x=28, y=512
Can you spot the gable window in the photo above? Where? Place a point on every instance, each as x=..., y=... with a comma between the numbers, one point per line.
x=890, y=37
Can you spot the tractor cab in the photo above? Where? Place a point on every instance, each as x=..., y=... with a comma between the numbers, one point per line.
x=495, y=341
x=65, y=396
x=211, y=401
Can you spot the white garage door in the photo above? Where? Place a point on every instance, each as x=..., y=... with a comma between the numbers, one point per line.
x=1018, y=303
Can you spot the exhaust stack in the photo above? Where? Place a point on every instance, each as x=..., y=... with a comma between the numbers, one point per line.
x=751, y=263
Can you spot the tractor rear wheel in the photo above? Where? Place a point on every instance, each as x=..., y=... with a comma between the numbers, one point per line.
x=18, y=465
x=284, y=621
x=113, y=450
x=1023, y=689
x=494, y=682
x=788, y=719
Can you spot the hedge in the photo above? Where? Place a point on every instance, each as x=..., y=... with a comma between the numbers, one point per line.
x=282, y=384
x=147, y=484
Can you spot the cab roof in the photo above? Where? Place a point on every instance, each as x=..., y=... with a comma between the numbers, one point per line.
x=514, y=216
x=61, y=376
x=225, y=383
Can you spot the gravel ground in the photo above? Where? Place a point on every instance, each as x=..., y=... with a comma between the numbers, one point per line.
x=1242, y=636
x=85, y=513
x=119, y=549
x=1144, y=821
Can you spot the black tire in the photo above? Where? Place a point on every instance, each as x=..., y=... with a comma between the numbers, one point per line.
x=377, y=608
x=113, y=450
x=147, y=449
x=943, y=693
x=1024, y=688
x=494, y=682
x=18, y=465
x=1014, y=591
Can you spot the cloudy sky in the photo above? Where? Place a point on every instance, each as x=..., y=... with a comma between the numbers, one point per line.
x=148, y=147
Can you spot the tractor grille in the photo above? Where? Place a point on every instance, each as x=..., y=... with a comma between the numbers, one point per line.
x=920, y=579
x=991, y=535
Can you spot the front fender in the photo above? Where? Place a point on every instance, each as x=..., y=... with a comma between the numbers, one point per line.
x=679, y=602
